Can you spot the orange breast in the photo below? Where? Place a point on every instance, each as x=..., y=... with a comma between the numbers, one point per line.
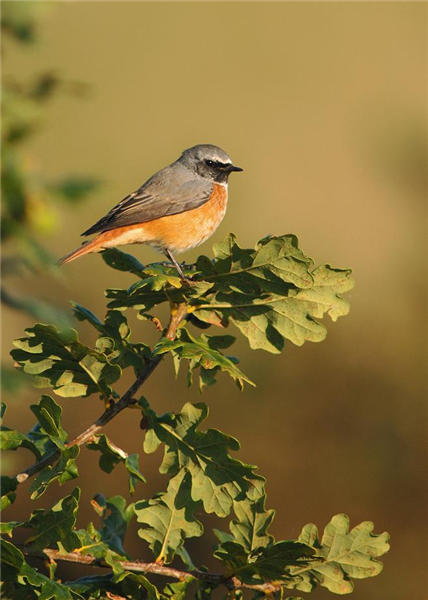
x=179, y=232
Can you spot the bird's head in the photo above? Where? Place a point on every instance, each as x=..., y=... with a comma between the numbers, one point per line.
x=209, y=162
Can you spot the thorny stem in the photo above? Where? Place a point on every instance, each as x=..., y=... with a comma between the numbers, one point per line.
x=231, y=583
x=178, y=313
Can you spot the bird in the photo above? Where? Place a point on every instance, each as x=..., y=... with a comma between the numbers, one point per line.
x=176, y=209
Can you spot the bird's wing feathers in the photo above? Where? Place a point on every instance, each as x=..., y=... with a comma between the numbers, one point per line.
x=162, y=195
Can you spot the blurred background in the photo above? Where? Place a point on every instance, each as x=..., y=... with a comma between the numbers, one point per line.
x=324, y=105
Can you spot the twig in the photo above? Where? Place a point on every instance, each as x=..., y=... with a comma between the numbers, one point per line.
x=231, y=583
x=178, y=314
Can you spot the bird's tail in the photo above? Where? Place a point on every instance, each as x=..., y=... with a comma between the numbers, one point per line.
x=86, y=248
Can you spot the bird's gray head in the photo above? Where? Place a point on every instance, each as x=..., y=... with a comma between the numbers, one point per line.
x=209, y=162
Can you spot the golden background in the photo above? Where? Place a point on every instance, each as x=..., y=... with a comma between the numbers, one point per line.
x=324, y=106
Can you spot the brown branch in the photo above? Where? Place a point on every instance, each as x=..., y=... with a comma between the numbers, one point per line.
x=231, y=583
x=178, y=313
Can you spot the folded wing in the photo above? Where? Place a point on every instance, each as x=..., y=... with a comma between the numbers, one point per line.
x=168, y=192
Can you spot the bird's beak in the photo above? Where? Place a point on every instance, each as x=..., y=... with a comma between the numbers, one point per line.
x=231, y=168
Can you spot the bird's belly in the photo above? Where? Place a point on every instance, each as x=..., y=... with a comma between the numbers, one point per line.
x=189, y=229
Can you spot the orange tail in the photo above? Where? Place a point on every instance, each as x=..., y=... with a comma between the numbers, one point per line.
x=87, y=248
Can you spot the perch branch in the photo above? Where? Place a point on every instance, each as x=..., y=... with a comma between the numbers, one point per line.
x=178, y=313
x=231, y=583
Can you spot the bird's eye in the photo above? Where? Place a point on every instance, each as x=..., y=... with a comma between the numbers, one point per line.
x=209, y=163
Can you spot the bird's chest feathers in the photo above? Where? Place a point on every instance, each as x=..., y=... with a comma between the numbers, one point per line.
x=189, y=229
x=208, y=217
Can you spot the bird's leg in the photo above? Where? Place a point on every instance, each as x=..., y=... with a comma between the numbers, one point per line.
x=171, y=257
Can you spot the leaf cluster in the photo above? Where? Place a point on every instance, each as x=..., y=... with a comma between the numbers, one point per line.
x=271, y=294
x=58, y=359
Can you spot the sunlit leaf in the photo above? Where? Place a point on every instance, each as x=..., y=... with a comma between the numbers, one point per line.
x=203, y=353
x=48, y=413
x=344, y=555
x=115, y=335
x=249, y=528
x=272, y=293
x=168, y=518
x=216, y=478
x=57, y=359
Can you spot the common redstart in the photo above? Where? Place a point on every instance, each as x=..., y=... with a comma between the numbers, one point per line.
x=175, y=210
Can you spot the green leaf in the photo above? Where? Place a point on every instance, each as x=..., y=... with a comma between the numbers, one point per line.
x=57, y=359
x=55, y=525
x=48, y=413
x=12, y=560
x=275, y=259
x=216, y=478
x=107, y=543
x=146, y=589
x=122, y=261
x=202, y=352
x=132, y=464
x=159, y=283
x=324, y=297
x=49, y=588
x=157, y=277
x=8, y=528
x=271, y=293
x=47, y=436
x=92, y=543
x=178, y=590
x=263, y=564
x=11, y=440
x=93, y=586
x=19, y=578
x=38, y=441
x=62, y=471
x=168, y=518
x=8, y=486
x=186, y=559
x=111, y=455
x=249, y=528
x=116, y=332
x=344, y=554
